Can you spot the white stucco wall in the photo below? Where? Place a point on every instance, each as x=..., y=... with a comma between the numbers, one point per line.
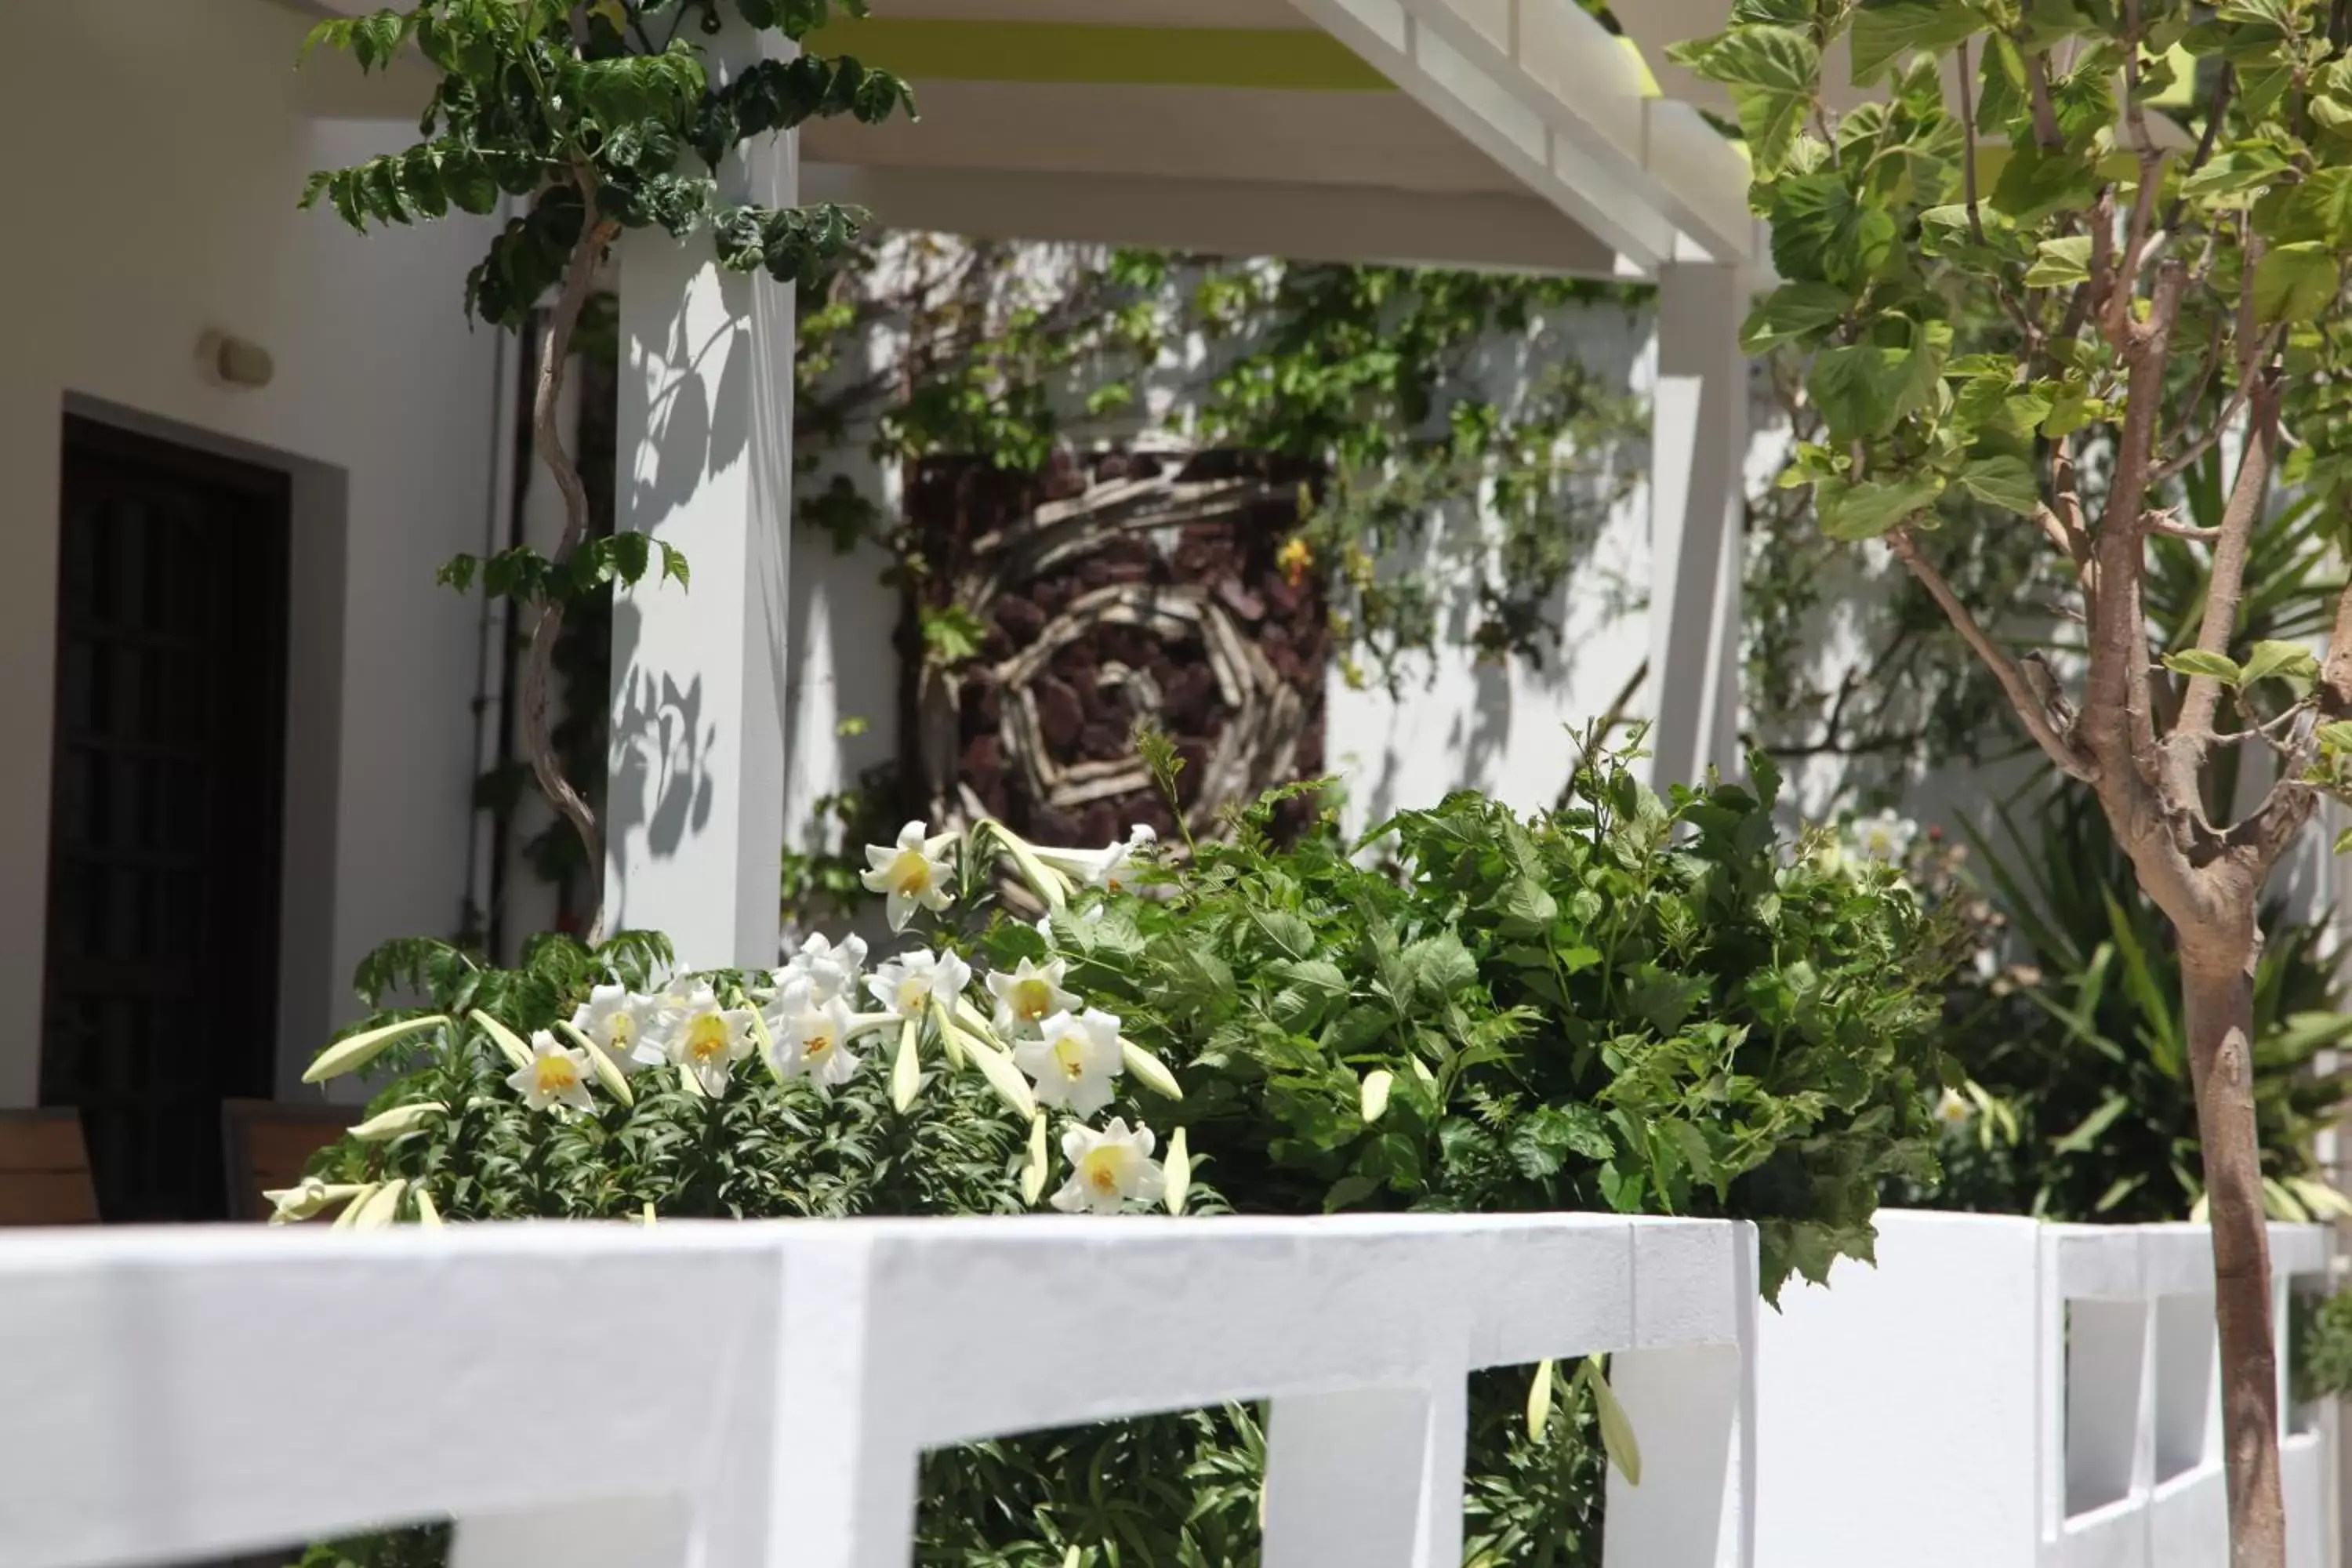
x=159, y=154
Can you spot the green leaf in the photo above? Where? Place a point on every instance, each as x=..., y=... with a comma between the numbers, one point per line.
x=1884, y=31
x=2234, y=170
x=1868, y=510
x=2007, y=482
x=2087, y=1131
x=2335, y=737
x=2319, y=211
x=2034, y=183
x=2295, y=282
x=675, y=568
x=2273, y=657
x=1771, y=72
x=2060, y=263
x=1793, y=312
x=2196, y=661
x=1859, y=388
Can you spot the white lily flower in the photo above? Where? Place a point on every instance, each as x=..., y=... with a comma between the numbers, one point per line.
x=1885, y=837
x=1954, y=1108
x=912, y=982
x=554, y=1072
x=1104, y=868
x=832, y=970
x=1109, y=1169
x=708, y=1039
x=1030, y=994
x=816, y=1044
x=617, y=1019
x=1074, y=1059
x=908, y=874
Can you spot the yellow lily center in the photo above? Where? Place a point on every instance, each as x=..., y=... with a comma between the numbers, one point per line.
x=619, y=1030
x=707, y=1040
x=817, y=1045
x=910, y=874
x=1099, y=1169
x=912, y=990
x=1033, y=999
x=555, y=1075
x=1071, y=1054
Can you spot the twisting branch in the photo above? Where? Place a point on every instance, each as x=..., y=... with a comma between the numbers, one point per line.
x=2046, y=133
x=2015, y=685
x=2186, y=748
x=547, y=621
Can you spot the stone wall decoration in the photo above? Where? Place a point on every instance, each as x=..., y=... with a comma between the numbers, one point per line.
x=1138, y=583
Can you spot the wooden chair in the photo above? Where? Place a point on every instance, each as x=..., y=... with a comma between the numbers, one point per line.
x=44, y=1169
x=267, y=1143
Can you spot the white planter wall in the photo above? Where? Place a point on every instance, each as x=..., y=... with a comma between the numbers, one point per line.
x=166, y=1395
x=2002, y=1394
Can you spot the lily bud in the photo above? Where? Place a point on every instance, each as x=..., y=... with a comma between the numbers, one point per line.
x=399, y=1122
x=508, y=1040
x=426, y=1215
x=1176, y=1173
x=355, y=1051
x=1003, y=1077
x=905, y=1068
x=360, y=1198
x=1539, y=1402
x=1032, y=1175
x=377, y=1209
x=307, y=1198
x=1421, y=1070
x=1150, y=1070
x=1374, y=1098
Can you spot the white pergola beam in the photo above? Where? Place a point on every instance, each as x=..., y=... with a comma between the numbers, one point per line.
x=1605, y=131
x=1362, y=224
x=1448, y=72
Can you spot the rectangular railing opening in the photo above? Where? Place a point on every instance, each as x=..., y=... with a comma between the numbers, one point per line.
x=2188, y=1386
x=2106, y=1341
x=1178, y=1486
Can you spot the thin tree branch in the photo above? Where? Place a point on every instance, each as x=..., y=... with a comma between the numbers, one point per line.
x=2046, y=133
x=547, y=622
x=2060, y=749
x=2186, y=748
x=2188, y=456
x=1969, y=159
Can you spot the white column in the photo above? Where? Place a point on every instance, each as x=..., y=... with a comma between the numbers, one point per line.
x=694, y=819
x=1367, y=1478
x=1699, y=450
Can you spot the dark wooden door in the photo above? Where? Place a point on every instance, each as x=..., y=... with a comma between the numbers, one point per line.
x=161, y=994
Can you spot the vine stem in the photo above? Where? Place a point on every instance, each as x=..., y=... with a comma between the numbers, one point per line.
x=547, y=622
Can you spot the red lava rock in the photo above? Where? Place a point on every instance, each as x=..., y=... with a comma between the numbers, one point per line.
x=1059, y=715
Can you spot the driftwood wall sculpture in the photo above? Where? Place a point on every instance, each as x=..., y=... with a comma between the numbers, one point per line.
x=1136, y=583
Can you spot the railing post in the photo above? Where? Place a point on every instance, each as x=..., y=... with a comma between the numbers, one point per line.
x=1367, y=1478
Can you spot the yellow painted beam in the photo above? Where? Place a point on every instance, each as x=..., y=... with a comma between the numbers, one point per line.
x=938, y=49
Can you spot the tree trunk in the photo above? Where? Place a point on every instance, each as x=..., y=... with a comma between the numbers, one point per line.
x=2217, y=988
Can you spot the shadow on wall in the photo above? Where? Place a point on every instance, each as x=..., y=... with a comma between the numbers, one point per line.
x=1510, y=729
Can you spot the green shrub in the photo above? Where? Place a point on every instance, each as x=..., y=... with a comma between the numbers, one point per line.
x=1632, y=1005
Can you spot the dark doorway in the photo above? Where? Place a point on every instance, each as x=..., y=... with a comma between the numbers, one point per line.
x=161, y=996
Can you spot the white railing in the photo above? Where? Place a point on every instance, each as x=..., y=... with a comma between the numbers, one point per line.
x=603, y=1396
x=2000, y=1394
